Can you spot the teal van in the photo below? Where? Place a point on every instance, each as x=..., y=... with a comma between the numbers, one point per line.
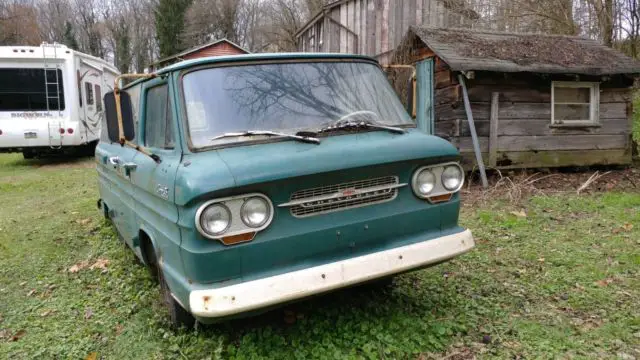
x=245, y=182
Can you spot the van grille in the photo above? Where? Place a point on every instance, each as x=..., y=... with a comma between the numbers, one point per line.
x=327, y=199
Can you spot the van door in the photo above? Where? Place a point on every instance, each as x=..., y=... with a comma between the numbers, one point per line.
x=155, y=181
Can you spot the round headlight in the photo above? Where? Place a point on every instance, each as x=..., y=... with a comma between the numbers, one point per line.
x=215, y=219
x=424, y=182
x=255, y=212
x=452, y=178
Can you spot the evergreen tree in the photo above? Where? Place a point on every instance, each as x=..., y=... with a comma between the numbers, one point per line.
x=69, y=37
x=169, y=17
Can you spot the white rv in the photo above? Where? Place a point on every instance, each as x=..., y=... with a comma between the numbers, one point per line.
x=51, y=99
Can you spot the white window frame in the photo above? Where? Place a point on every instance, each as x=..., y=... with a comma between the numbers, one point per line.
x=594, y=102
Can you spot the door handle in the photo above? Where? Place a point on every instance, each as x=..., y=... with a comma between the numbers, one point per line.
x=130, y=166
x=114, y=160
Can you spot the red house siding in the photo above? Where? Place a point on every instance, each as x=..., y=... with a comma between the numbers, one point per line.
x=219, y=49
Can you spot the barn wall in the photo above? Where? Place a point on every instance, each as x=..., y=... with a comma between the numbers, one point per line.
x=525, y=137
x=375, y=27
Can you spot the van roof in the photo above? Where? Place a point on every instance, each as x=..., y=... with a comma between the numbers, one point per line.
x=261, y=57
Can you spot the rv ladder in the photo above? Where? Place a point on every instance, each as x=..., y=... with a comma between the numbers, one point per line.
x=51, y=65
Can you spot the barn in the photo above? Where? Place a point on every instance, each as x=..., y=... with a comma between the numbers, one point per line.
x=376, y=27
x=533, y=100
x=214, y=48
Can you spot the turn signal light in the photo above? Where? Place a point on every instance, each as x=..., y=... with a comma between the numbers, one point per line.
x=236, y=239
x=70, y=130
x=61, y=131
x=440, y=198
x=0, y=131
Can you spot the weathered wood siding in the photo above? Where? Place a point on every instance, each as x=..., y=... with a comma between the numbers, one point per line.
x=374, y=27
x=525, y=136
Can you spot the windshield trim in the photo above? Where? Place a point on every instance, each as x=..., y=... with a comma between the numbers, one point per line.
x=183, y=106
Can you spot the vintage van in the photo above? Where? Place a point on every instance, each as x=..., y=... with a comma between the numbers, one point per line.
x=250, y=181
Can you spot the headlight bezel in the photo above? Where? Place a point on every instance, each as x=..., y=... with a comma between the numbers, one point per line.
x=461, y=178
x=439, y=189
x=236, y=225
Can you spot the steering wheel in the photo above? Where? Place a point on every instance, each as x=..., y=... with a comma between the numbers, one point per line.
x=356, y=113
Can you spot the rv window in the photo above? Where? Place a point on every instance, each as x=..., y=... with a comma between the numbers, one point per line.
x=79, y=87
x=89, y=91
x=158, y=120
x=26, y=90
x=98, y=98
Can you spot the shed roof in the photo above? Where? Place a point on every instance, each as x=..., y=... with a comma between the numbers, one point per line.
x=466, y=50
x=198, y=48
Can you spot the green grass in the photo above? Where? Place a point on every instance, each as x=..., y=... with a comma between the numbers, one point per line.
x=564, y=281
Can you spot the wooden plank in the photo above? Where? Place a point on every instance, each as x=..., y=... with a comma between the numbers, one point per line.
x=335, y=30
x=357, y=14
x=538, y=127
x=524, y=111
x=545, y=159
x=443, y=79
x=474, y=136
x=371, y=27
x=419, y=12
x=447, y=95
x=379, y=20
x=510, y=93
x=493, y=129
x=553, y=142
x=343, y=33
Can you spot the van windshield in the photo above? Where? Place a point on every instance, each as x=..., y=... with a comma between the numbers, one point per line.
x=287, y=98
x=23, y=89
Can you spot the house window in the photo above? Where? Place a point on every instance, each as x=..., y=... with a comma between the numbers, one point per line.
x=575, y=103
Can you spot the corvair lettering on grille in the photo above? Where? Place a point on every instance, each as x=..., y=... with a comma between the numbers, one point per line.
x=343, y=196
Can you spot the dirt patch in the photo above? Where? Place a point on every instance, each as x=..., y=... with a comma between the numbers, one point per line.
x=520, y=184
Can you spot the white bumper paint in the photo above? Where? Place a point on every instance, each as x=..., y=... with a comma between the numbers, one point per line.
x=273, y=290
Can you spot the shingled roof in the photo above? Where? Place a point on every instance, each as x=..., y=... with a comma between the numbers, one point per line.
x=466, y=50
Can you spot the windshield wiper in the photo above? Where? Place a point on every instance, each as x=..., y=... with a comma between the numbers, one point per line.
x=342, y=124
x=305, y=139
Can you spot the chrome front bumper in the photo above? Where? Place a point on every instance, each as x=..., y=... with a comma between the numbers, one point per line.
x=252, y=295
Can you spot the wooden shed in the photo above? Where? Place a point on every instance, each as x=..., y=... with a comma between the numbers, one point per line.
x=214, y=48
x=376, y=27
x=535, y=100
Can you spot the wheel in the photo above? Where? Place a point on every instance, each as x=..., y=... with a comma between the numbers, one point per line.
x=28, y=155
x=177, y=314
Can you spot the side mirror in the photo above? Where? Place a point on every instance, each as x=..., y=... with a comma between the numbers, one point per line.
x=411, y=97
x=111, y=114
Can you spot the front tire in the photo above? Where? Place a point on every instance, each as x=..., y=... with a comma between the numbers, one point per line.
x=28, y=155
x=177, y=314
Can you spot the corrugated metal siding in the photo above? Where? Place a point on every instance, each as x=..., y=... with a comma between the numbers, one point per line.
x=215, y=50
x=374, y=27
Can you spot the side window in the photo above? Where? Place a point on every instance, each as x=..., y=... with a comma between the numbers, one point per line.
x=98, y=98
x=89, y=91
x=79, y=87
x=158, y=130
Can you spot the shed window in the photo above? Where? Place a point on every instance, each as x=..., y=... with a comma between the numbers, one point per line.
x=575, y=103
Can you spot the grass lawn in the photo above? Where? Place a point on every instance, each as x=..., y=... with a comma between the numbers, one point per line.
x=554, y=276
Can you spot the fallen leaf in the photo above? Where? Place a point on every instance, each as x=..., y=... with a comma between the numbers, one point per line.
x=520, y=213
x=541, y=260
x=627, y=227
x=31, y=293
x=46, y=313
x=119, y=329
x=92, y=356
x=79, y=266
x=84, y=221
x=604, y=282
x=17, y=336
x=100, y=264
x=4, y=334
x=23, y=283
x=88, y=314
